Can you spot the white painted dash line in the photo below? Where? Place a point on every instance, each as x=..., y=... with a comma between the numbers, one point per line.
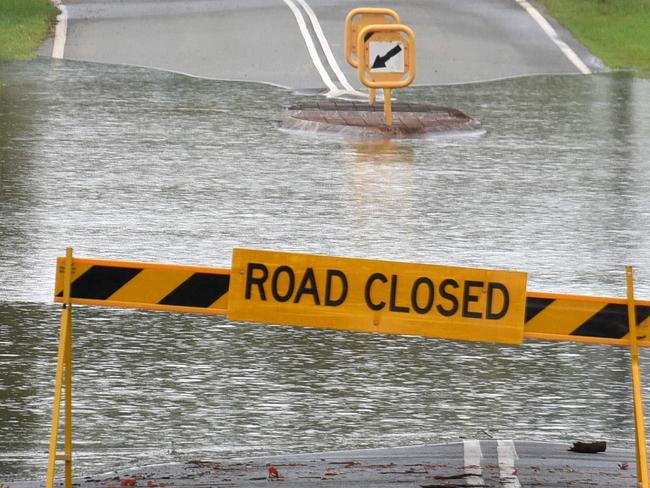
x=60, y=31
x=472, y=458
x=507, y=455
x=552, y=34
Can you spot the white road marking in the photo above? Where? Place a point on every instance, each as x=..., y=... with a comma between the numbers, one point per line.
x=550, y=32
x=472, y=466
x=334, y=91
x=507, y=455
x=325, y=45
x=311, y=47
x=60, y=31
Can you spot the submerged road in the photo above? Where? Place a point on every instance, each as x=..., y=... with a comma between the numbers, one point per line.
x=299, y=43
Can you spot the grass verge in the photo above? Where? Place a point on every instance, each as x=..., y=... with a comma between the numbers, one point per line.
x=24, y=25
x=617, y=31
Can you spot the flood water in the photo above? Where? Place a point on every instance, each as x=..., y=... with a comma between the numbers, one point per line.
x=133, y=164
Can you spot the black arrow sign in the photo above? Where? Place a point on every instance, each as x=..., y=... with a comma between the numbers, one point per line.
x=380, y=61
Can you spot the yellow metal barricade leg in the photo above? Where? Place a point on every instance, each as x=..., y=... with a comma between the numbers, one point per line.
x=372, y=96
x=68, y=402
x=639, y=422
x=388, y=107
x=63, y=375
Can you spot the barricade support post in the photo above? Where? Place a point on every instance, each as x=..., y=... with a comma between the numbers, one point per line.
x=388, y=107
x=639, y=422
x=386, y=60
x=63, y=376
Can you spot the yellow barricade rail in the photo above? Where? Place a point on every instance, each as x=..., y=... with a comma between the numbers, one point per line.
x=604, y=320
x=195, y=289
x=152, y=286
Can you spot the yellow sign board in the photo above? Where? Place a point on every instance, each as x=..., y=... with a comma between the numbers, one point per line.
x=386, y=56
x=359, y=18
x=377, y=296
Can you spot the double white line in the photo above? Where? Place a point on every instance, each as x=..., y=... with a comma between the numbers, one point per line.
x=338, y=84
x=506, y=454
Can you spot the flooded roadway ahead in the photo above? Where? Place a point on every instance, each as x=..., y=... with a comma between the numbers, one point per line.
x=133, y=164
x=299, y=43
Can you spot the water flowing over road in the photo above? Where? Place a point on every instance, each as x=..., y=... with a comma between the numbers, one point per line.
x=133, y=164
x=299, y=43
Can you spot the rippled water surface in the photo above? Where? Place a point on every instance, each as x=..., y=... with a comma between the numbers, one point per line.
x=133, y=164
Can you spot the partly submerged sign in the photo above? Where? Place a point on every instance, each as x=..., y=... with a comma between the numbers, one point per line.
x=377, y=296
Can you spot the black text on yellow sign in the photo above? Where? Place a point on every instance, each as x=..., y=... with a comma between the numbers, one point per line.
x=377, y=296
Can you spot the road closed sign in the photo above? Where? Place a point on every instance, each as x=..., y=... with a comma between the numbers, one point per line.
x=377, y=296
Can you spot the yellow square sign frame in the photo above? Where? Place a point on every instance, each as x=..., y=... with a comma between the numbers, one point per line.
x=386, y=33
x=359, y=18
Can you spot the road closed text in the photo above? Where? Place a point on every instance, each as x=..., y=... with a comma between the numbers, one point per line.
x=421, y=295
x=377, y=296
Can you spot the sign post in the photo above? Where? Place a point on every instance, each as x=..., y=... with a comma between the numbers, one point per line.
x=356, y=20
x=386, y=59
x=639, y=422
x=63, y=375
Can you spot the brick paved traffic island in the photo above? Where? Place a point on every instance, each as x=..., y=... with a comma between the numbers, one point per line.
x=409, y=119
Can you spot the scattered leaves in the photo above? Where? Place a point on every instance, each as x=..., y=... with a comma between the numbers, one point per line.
x=273, y=473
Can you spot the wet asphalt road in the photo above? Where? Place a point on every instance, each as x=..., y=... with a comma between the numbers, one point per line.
x=260, y=40
x=487, y=463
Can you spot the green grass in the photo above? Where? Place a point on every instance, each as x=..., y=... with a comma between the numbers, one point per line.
x=24, y=25
x=617, y=31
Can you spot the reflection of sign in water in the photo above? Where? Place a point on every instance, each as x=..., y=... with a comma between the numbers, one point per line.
x=387, y=56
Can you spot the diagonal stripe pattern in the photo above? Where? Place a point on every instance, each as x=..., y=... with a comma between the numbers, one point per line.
x=100, y=282
x=205, y=290
x=199, y=290
x=148, y=286
x=569, y=316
